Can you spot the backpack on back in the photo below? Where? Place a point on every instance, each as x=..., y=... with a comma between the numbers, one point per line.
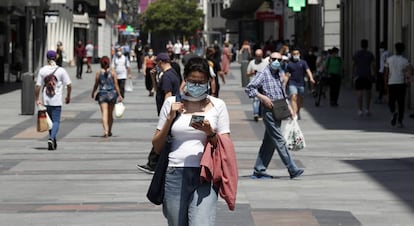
x=50, y=83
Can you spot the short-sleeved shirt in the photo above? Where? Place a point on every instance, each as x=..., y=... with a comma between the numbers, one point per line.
x=188, y=143
x=121, y=64
x=254, y=66
x=396, y=65
x=63, y=80
x=168, y=82
x=334, y=65
x=89, y=50
x=363, y=60
x=297, y=71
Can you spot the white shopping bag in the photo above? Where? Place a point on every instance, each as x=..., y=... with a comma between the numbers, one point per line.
x=293, y=135
x=129, y=87
x=119, y=109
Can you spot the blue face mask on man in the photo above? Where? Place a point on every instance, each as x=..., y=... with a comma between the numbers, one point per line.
x=275, y=65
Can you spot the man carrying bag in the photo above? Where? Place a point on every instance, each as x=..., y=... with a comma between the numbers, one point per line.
x=268, y=87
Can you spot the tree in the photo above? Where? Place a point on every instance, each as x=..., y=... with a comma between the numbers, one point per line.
x=176, y=17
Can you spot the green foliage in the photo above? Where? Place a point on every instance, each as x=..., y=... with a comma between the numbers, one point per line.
x=177, y=17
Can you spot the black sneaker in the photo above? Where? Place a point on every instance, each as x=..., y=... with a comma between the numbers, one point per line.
x=50, y=145
x=54, y=144
x=146, y=168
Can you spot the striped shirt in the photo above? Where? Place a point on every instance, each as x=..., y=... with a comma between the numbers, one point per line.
x=268, y=84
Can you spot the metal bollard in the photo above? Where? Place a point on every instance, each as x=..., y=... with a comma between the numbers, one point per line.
x=244, y=78
x=28, y=93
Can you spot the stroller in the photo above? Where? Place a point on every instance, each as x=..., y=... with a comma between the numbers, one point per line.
x=320, y=89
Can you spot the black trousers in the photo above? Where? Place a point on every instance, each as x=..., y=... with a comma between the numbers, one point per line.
x=334, y=87
x=396, y=95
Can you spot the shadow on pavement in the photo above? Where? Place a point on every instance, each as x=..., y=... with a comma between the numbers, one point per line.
x=344, y=117
x=393, y=174
x=9, y=87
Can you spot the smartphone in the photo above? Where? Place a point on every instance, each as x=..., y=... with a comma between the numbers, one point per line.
x=196, y=118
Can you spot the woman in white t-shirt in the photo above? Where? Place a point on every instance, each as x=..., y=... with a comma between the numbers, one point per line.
x=397, y=71
x=186, y=199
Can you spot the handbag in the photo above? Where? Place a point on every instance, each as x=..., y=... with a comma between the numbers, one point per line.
x=281, y=108
x=119, y=109
x=42, y=125
x=155, y=193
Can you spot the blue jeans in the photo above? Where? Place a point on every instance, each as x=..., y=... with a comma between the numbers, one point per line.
x=187, y=202
x=272, y=139
x=257, y=107
x=54, y=114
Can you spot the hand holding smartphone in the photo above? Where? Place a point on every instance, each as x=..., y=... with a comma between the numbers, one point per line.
x=196, y=118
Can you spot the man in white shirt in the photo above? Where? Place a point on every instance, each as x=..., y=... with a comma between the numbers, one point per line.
x=256, y=65
x=379, y=84
x=89, y=55
x=122, y=66
x=51, y=80
x=397, y=73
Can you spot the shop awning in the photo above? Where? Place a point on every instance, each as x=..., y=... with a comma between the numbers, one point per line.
x=81, y=20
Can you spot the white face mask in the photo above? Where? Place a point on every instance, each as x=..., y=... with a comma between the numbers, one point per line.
x=119, y=53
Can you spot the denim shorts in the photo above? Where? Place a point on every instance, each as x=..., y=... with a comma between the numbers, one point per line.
x=296, y=90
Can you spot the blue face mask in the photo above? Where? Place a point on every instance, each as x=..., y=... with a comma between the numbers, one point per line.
x=275, y=65
x=196, y=89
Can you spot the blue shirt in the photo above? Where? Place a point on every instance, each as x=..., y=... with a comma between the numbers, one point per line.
x=297, y=70
x=267, y=83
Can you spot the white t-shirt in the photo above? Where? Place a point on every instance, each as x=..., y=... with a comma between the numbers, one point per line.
x=63, y=80
x=177, y=48
x=258, y=67
x=188, y=143
x=396, y=65
x=384, y=55
x=89, y=50
x=120, y=64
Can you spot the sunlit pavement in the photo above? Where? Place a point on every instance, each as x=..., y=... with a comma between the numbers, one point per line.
x=358, y=170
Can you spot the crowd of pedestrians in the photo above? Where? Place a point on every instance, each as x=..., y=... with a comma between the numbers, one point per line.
x=276, y=71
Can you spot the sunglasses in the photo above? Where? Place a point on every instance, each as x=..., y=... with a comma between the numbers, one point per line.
x=278, y=59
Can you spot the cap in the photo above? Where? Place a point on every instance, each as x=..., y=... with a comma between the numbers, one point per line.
x=51, y=55
x=163, y=57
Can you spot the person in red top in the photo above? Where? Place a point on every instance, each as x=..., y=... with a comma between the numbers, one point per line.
x=149, y=64
x=80, y=53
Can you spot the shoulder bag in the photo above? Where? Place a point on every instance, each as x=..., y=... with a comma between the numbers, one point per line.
x=155, y=193
x=280, y=108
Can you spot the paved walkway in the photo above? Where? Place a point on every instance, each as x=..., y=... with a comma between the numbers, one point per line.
x=359, y=170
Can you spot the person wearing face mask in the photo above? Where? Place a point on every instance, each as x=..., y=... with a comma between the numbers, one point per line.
x=268, y=86
x=168, y=84
x=297, y=69
x=147, y=67
x=254, y=66
x=190, y=197
x=122, y=66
